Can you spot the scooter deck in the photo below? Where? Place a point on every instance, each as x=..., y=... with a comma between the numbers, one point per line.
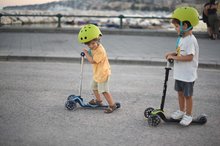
x=79, y=100
x=94, y=106
x=195, y=121
x=199, y=120
x=97, y=106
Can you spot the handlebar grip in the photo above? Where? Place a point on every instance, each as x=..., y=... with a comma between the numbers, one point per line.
x=170, y=60
x=82, y=54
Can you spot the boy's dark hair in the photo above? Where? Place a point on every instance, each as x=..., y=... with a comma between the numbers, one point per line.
x=176, y=21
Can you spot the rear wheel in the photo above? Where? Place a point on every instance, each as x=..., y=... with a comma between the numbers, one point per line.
x=118, y=104
x=202, y=119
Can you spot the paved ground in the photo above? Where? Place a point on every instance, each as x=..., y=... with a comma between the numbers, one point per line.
x=126, y=49
x=32, y=94
x=32, y=112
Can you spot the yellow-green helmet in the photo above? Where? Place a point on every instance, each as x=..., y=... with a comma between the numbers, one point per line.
x=186, y=14
x=88, y=33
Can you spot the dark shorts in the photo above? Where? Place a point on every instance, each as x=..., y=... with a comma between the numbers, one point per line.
x=185, y=87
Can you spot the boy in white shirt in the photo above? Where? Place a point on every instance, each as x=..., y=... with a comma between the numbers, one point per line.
x=185, y=61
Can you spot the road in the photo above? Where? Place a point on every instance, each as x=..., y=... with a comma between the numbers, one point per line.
x=32, y=112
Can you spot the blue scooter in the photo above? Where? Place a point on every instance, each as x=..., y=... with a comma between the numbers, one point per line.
x=72, y=100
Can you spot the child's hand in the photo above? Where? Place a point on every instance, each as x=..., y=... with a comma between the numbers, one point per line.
x=89, y=58
x=170, y=57
x=170, y=54
x=85, y=50
x=166, y=55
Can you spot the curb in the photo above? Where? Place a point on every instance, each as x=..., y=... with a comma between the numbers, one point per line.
x=118, y=61
x=139, y=32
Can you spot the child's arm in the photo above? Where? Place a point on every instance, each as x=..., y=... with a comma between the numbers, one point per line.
x=181, y=58
x=89, y=58
x=170, y=54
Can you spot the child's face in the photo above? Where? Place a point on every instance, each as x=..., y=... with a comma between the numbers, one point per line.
x=177, y=28
x=93, y=45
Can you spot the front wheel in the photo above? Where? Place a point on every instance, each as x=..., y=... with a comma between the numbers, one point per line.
x=148, y=111
x=70, y=105
x=153, y=120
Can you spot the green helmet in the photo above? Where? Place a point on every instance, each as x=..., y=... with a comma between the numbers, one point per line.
x=88, y=33
x=186, y=14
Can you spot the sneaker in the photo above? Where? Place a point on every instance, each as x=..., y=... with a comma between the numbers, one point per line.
x=177, y=115
x=186, y=120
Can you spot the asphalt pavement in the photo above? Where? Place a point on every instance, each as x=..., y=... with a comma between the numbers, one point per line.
x=32, y=112
x=40, y=69
x=139, y=47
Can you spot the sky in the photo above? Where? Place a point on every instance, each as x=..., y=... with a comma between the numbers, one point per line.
x=4, y=3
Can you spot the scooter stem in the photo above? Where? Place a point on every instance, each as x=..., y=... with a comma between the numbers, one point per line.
x=81, y=73
x=167, y=70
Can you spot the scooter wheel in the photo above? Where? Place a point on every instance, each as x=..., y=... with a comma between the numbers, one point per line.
x=69, y=97
x=70, y=105
x=202, y=119
x=153, y=120
x=148, y=111
x=118, y=104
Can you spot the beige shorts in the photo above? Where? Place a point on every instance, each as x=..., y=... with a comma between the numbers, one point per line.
x=101, y=87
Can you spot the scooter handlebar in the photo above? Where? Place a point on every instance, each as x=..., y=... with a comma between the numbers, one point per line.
x=170, y=60
x=82, y=54
x=169, y=63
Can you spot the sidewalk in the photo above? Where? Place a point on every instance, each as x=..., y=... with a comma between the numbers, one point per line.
x=139, y=47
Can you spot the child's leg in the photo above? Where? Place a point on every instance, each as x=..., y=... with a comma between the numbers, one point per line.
x=97, y=95
x=181, y=101
x=188, y=97
x=104, y=89
x=187, y=118
x=189, y=104
x=98, y=100
x=109, y=98
x=188, y=92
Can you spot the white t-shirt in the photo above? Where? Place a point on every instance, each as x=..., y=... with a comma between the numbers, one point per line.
x=187, y=70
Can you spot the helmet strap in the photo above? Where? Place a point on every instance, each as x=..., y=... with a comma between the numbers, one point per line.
x=183, y=31
x=178, y=41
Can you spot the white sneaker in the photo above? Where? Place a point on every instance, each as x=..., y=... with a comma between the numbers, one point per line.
x=177, y=115
x=186, y=120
